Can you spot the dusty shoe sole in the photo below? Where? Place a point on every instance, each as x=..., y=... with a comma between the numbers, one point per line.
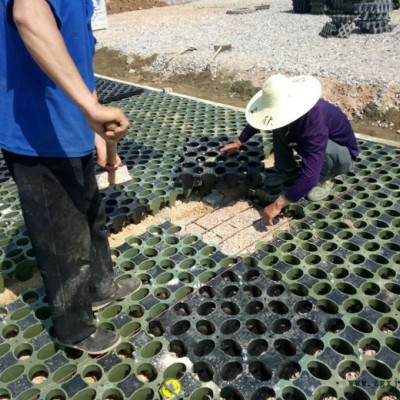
x=100, y=342
x=125, y=288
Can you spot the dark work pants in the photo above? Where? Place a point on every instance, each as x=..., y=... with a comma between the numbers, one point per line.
x=337, y=159
x=65, y=220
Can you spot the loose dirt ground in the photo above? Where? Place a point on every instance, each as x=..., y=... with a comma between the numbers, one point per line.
x=227, y=89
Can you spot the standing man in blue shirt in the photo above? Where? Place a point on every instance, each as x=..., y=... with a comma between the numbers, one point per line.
x=49, y=114
x=300, y=120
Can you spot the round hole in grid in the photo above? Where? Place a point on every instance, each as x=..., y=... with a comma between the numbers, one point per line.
x=272, y=274
x=231, y=371
x=207, y=292
x=230, y=308
x=205, y=327
x=257, y=347
x=369, y=346
x=289, y=371
x=310, y=248
x=387, y=324
x=393, y=343
x=356, y=259
x=251, y=275
x=146, y=373
x=256, y=326
x=379, y=370
x=156, y=328
x=353, y=306
x=179, y=348
x=203, y=347
x=260, y=370
x=298, y=289
x=254, y=307
x=349, y=370
x=302, y=307
x=317, y=273
x=334, y=325
x=361, y=325
x=182, y=309
x=229, y=291
x=319, y=370
x=285, y=347
x=313, y=346
x=206, y=308
x=339, y=272
x=229, y=276
x=294, y=273
x=252, y=291
x=328, y=306
x=322, y=288
x=386, y=273
x=275, y=290
x=346, y=288
x=231, y=347
x=379, y=306
x=263, y=393
x=281, y=326
x=341, y=346
x=278, y=307
x=204, y=371
x=230, y=326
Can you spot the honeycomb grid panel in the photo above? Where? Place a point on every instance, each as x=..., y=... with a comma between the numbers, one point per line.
x=312, y=314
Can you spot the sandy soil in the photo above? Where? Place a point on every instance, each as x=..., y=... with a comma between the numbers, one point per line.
x=118, y=6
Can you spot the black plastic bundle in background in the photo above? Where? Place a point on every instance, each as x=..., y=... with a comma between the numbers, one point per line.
x=108, y=91
x=373, y=17
x=301, y=6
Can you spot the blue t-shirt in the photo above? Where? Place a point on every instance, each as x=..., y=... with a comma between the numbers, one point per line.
x=37, y=118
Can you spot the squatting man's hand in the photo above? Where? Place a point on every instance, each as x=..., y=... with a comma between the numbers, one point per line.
x=274, y=209
x=231, y=148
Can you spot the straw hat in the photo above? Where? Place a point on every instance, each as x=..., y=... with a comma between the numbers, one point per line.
x=282, y=100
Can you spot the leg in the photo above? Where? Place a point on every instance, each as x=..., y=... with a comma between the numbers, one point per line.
x=337, y=161
x=101, y=284
x=53, y=202
x=103, y=289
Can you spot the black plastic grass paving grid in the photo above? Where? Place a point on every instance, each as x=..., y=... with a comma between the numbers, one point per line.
x=108, y=91
x=313, y=314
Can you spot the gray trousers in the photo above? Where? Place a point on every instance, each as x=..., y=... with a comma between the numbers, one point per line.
x=337, y=158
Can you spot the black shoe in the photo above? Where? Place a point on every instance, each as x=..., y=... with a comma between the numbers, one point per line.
x=125, y=288
x=99, y=342
x=275, y=177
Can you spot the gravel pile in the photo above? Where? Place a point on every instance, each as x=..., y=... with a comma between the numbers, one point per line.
x=272, y=40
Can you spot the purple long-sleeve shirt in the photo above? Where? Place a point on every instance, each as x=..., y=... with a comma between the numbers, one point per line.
x=310, y=135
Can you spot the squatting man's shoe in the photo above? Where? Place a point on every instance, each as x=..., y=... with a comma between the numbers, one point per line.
x=320, y=192
x=125, y=288
x=280, y=178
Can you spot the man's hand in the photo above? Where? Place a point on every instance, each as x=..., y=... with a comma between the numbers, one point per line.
x=109, y=122
x=231, y=148
x=274, y=209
